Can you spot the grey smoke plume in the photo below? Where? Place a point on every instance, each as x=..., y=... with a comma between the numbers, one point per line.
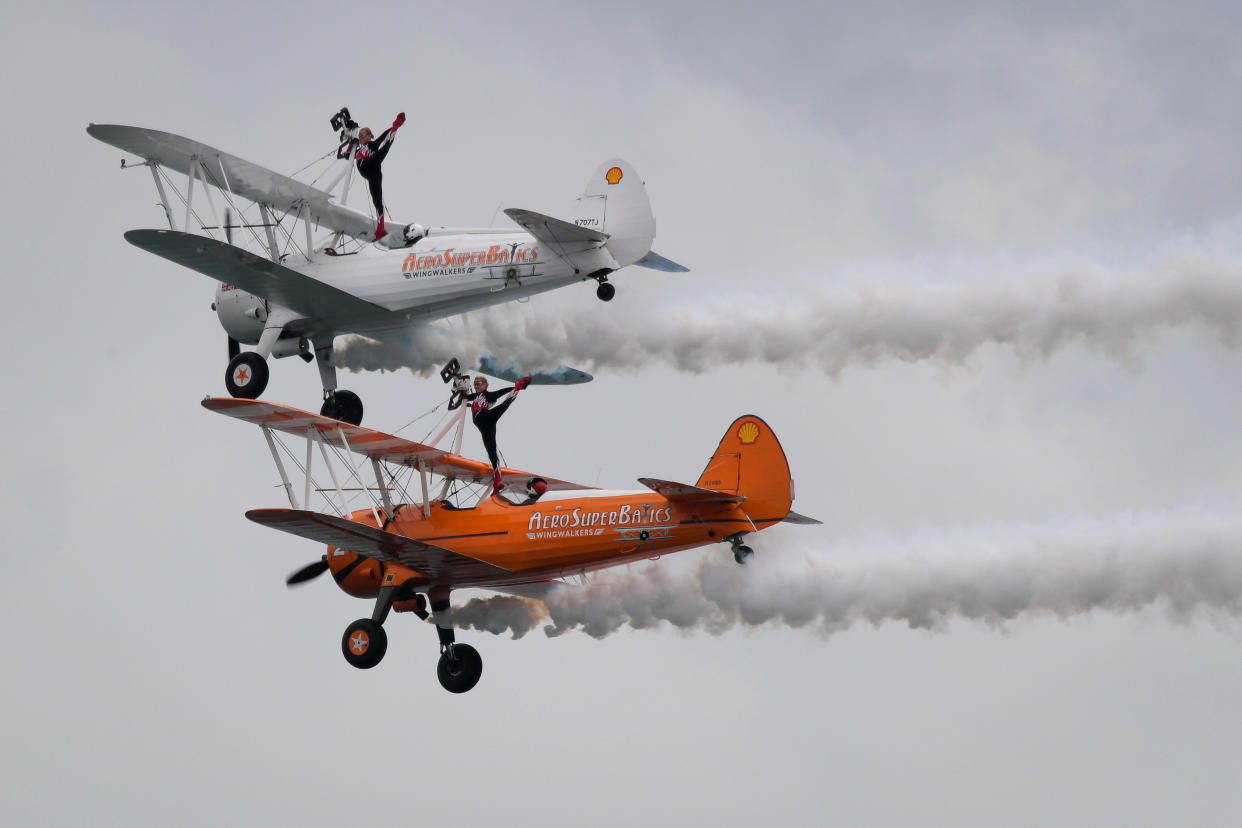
x=831, y=331
x=1186, y=562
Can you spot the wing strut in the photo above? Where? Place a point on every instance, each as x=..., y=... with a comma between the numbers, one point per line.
x=280, y=467
x=383, y=490
x=159, y=187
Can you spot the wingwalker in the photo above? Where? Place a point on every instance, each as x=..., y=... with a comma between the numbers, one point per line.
x=407, y=553
x=289, y=294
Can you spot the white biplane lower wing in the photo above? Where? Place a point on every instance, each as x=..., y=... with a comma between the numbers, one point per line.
x=440, y=564
x=260, y=276
x=369, y=443
x=236, y=175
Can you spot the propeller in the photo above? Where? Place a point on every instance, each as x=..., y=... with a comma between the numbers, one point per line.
x=308, y=572
x=228, y=224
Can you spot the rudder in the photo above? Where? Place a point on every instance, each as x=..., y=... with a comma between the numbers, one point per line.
x=750, y=462
x=615, y=202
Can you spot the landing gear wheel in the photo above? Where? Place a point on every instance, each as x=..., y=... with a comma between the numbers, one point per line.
x=461, y=672
x=606, y=291
x=742, y=553
x=246, y=376
x=364, y=643
x=343, y=405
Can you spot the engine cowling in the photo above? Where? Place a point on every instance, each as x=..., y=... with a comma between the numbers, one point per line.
x=241, y=314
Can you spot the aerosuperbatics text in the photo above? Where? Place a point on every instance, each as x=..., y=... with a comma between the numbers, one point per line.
x=454, y=262
x=580, y=522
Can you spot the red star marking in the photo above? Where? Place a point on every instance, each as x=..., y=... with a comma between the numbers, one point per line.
x=241, y=377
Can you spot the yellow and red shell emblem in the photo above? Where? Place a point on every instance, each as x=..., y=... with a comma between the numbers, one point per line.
x=614, y=175
x=748, y=432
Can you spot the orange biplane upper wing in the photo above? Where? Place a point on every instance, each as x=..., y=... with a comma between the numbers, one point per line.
x=684, y=492
x=368, y=442
x=435, y=561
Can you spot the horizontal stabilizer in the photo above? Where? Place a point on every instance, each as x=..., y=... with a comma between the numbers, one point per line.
x=655, y=261
x=685, y=493
x=435, y=561
x=794, y=517
x=553, y=230
x=512, y=372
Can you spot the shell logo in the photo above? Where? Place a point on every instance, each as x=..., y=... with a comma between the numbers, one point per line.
x=748, y=433
x=614, y=175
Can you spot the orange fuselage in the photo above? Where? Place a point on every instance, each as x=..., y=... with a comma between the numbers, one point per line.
x=550, y=538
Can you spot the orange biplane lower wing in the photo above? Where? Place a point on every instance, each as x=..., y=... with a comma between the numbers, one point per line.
x=435, y=561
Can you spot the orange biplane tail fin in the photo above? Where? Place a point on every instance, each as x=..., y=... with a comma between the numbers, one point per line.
x=751, y=463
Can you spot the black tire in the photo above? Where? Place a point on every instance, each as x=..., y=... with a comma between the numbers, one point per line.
x=344, y=406
x=742, y=554
x=364, y=643
x=463, y=672
x=606, y=291
x=246, y=376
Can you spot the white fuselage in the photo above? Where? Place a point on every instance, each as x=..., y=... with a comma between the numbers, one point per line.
x=443, y=275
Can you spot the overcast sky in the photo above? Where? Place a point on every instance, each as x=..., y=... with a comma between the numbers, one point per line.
x=978, y=264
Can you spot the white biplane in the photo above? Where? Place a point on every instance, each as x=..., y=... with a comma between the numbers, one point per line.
x=292, y=294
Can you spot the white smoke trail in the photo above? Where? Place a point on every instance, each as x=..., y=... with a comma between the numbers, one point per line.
x=832, y=331
x=1186, y=562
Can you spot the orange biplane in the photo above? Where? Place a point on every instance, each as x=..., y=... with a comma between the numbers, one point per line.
x=407, y=553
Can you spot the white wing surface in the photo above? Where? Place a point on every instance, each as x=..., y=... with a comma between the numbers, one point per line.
x=237, y=176
x=337, y=309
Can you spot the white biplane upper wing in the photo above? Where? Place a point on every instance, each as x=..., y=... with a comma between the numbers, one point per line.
x=436, y=561
x=258, y=275
x=236, y=175
x=368, y=442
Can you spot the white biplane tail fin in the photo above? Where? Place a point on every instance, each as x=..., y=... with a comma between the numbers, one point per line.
x=615, y=202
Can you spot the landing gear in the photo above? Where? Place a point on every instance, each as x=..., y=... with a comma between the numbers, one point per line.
x=337, y=403
x=364, y=643
x=246, y=376
x=342, y=405
x=741, y=552
x=460, y=668
x=606, y=291
x=460, y=664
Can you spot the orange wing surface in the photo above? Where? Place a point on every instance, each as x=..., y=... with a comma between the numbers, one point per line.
x=368, y=442
x=439, y=563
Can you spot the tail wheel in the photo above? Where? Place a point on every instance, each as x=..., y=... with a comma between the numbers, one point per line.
x=364, y=643
x=246, y=376
x=606, y=291
x=344, y=406
x=742, y=553
x=460, y=668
